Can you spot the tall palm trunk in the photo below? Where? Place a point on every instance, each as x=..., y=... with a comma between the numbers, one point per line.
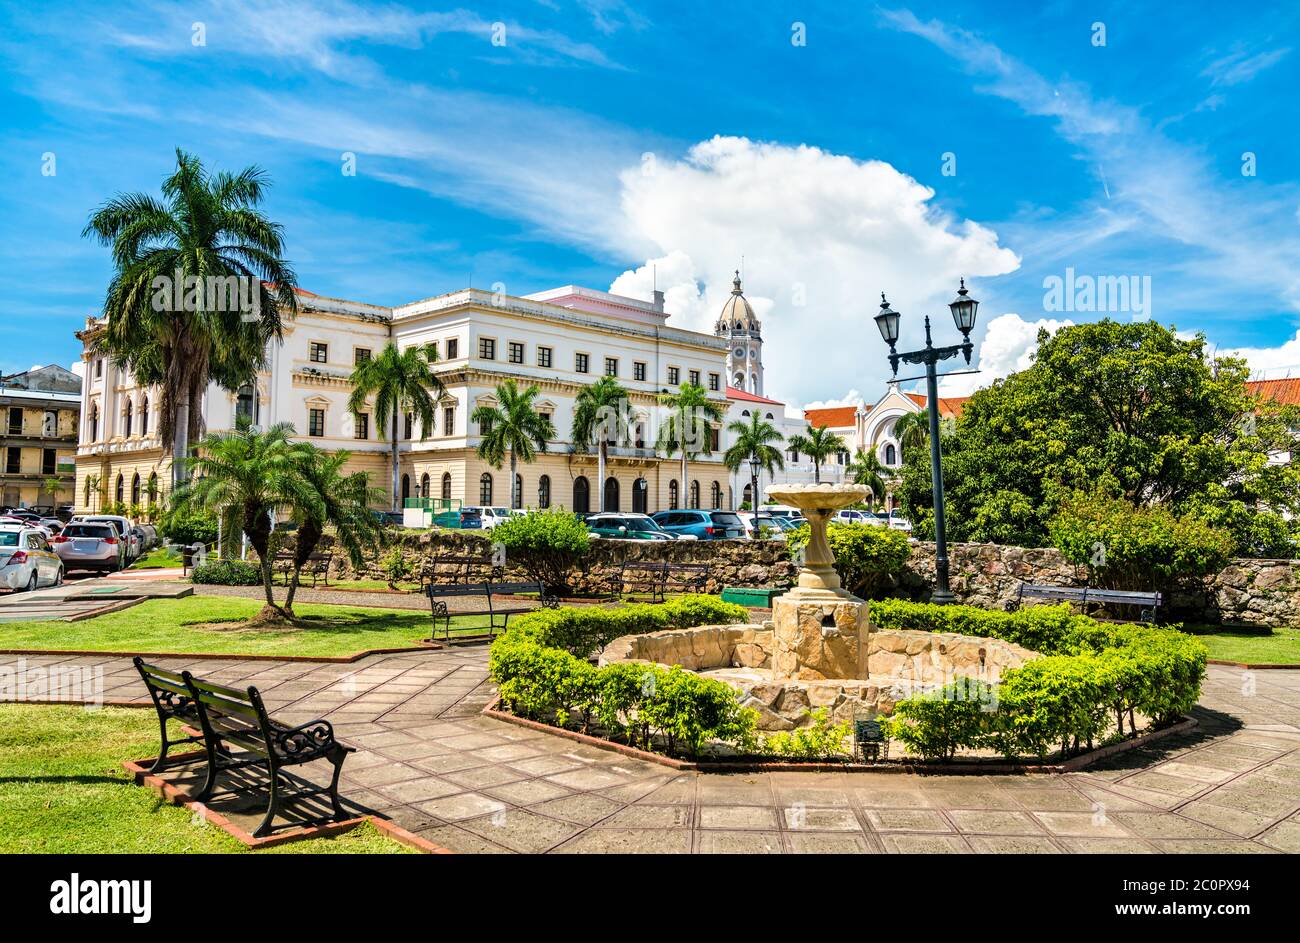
x=396, y=476
x=180, y=436
x=686, y=495
x=817, y=472
x=601, y=459
x=515, y=499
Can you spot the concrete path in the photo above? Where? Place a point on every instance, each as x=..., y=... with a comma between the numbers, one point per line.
x=431, y=762
x=83, y=598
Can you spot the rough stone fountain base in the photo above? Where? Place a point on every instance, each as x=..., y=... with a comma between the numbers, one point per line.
x=897, y=664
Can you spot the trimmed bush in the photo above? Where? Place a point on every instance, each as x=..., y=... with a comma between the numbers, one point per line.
x=188, y=527
x=1096, y=676
x=548, y=544
x=584, y=631
x=227, y=573
x=867, y=558
x=820, y=740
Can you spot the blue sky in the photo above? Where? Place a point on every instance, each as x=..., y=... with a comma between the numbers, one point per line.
x=541, y=143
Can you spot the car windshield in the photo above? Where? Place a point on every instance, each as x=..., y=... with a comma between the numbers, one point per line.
x=116, y=525
x=98, y=531
x=644, y=523
x=8, y=538
x=725, y=519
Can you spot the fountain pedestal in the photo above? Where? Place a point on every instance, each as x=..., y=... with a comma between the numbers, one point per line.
x=819, y=629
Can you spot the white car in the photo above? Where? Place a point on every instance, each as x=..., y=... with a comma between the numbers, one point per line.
x=26, y=559
x=126, y=531
x=491, y=516
x=852, y=516
x=898, y=522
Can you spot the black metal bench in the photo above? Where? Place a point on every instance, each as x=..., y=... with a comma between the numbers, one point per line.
x=642, y=577
x=493, y=610
x=317, y=567
x=172, y=700
x=465, y=569
x=1086, y=595
x=685, y=577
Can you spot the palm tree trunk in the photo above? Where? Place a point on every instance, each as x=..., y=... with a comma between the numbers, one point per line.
x=396, y=482
x=817, y=472
x=180, y=436
x=600, y=475
x=515, y=499
x=686, y=495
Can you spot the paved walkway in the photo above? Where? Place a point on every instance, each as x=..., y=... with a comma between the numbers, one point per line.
x=469, y=783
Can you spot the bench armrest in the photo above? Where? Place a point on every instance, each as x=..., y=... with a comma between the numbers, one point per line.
x=305, y=738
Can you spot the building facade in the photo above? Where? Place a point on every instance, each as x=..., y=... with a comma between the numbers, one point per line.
x=40, y=410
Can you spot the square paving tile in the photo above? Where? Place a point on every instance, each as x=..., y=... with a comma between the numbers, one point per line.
x=1285, y=836
x=829, y=843
x=738, y=816
x=456, y=839
x=417, y=790
x=995, y=822
x=1013, y=845
x=483, y=776
x=587, y=779
x=924, y=844
x=1164, y=825
x=650, y=816
x=464, y=806
x=744, y=843
x=522, y=830
x=629, y=841
x=527, y=792
x=800, y=818
x=1081, y=824
x=585, y=809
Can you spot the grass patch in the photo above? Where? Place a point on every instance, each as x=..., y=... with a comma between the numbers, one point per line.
x=1251, y=646
x=199, y=624
x=161, y=558
x=63, y=790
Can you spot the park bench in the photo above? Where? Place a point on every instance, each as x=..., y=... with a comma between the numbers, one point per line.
x=172, y=700
x=659, y=579
x=453, y=569
x=685, y=577
x=317, y=567
x=494, y=609
x=1085, y=596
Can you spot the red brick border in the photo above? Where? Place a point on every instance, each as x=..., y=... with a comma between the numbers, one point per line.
x=1261, y=666
x=974, y=766
x=315, y=659
x=139, y=770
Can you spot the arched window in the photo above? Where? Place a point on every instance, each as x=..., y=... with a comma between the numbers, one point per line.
x=144, y=416
x=485, y=490
x=120, y=490
x=674, y=499
x=717, y=495
x=406, y=488
x=747, y=496
x=94, y=422
x=611, y=494
x=695, y=495
x=135, y=488
x=246, y=404
x=152, y=492
x=544, y=492
x=581, y=495
x=424, y=485
x=640, y=496
x=127, y=415
x=446, y=486
x=891, y=455
x=517, y=499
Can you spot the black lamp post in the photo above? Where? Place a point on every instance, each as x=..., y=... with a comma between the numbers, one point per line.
x=963, y=315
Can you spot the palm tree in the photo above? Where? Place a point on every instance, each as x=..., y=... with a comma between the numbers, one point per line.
x=247, y=474
x=688, y=428
x=206, y=228
x=339, y=501
x=819, y=444
x=754, y=446
x=514, y=428
x=912, y=430
x=598, y=415
x=400, y=382
x=93, y=484
x=867, y=469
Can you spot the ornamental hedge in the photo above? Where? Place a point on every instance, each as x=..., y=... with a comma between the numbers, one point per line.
x=867, y=558
x=549, y=545
x=1094, y=677
x=543, y=670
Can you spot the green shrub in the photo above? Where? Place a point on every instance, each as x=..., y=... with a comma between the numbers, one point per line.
x=1045, y=629
x=584, y=631
x=189, y=527
x=1129, y=547
x=866, y=557
x=549, y=545
x=227, y=573
x=1060, y=700
x=818, y=741
x=938, y=723
x=395, y=567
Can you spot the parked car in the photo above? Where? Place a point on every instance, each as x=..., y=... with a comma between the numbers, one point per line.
x=123, y=527
x=490, y=516
x=626, y=527
x=148, y=537
x=52, y=524
x=468, y=519
x=87, y=545
x=771, y=527
x=388, y=518
x=850, y=516
x=702, y=525
x=780, y=510
x=26, y=559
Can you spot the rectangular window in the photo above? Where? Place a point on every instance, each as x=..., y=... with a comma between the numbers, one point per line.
x=316, y=422
x=408, y=426
x=453, y=348
x=487, y=348
x=674, y=375
x=362, y=430
x=360, y=355
x=611, y=366
x=714, y=380
x=433, y=350
x=15, y=420
x=638, y=370
x=320, y=353
x=695, y=378
x=485, y=425
x=544, y=355
x=715, y=439
x=13, y=461
x=99, y=368
x=516, y=352
x=581, y=363
x=47, y=462
x=449, y=420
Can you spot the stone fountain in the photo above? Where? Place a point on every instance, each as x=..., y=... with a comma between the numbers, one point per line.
x=819, y=628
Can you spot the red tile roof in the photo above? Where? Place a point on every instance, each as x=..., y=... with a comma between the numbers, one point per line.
x=1285, y=391
x=733, y=393
x=949, y=406
x=836, y=417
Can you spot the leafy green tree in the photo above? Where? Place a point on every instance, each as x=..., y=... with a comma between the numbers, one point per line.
x=598, y=417
x=514, y=428
x=207, y=226
x=912, y=430
x=688, y=428
x=755, y=447
x=1131, y=410
x=867, y=469
x=819, y=444
x=246, y=475
x=399, y=381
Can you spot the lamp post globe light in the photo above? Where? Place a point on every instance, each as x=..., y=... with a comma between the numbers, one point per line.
x=964, y=310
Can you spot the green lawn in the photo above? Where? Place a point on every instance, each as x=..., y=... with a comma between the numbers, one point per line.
x=160, y=559
x=63, y=790
x=1250, y=646
x=196, y=624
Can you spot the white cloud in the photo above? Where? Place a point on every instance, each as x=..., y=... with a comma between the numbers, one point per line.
x=821, y=235
x=851, y=398
x=1009, y=345
x=79, y=368
x=1269, y=363
x=1240, y=66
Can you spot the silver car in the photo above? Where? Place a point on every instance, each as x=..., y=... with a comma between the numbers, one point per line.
x=125, y=532
x=26, y=560
x=90, y=545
